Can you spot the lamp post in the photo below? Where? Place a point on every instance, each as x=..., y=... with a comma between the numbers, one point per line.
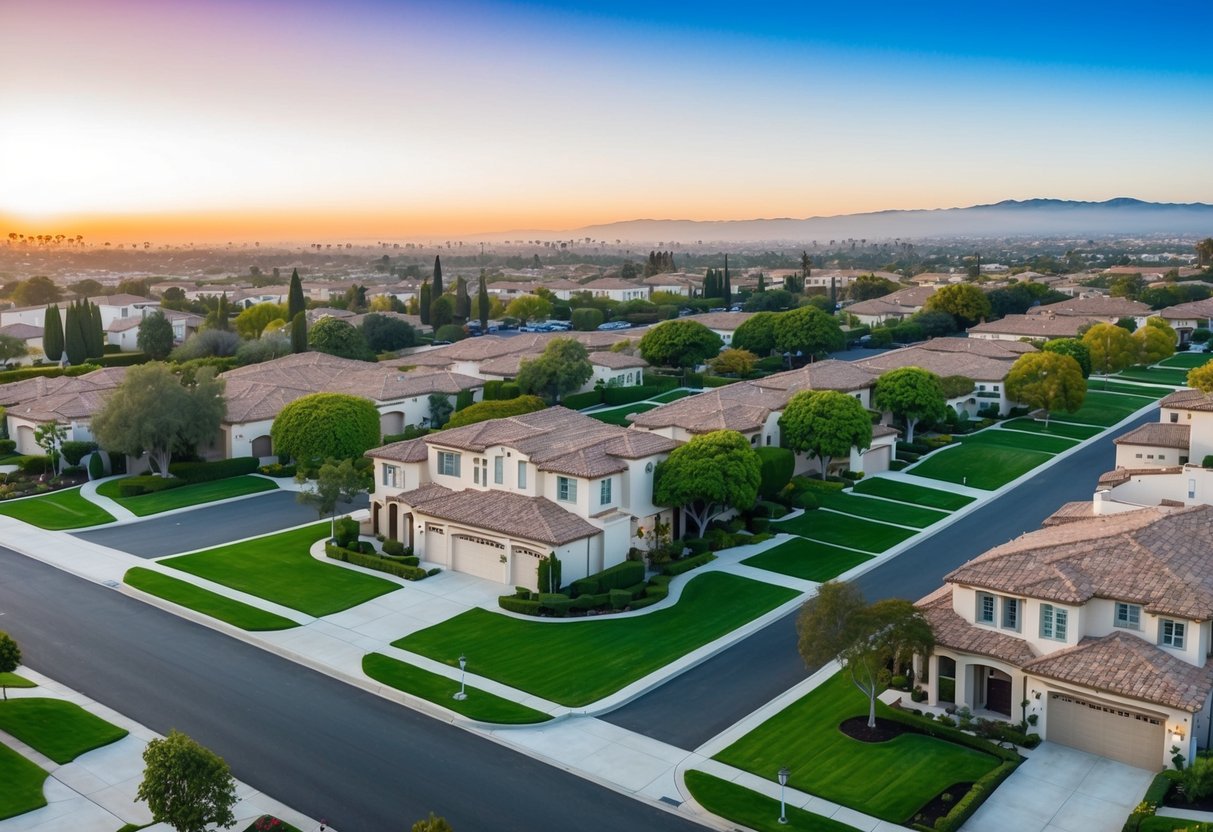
x=463, y=663
x=783, y=782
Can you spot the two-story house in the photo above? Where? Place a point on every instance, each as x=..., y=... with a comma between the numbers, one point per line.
x=1098, y=626
x=491, y=499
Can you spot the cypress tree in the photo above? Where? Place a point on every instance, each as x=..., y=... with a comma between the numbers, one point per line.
x=95, y=331
x=299, y=332
x=728, y=286
x=222, y=313
x=423, y=305
x=73, y=336
x=762, y=283
x=482, y=301
x=463, y=304
x=52, y=334
x=436, y=288
x=294, y=300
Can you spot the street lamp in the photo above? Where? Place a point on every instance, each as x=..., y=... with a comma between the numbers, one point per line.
x=463, y=663
x=783, y=782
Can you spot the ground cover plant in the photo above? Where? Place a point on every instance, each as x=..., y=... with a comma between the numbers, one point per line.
x=619, y=415
x=479, y=704
x=844, y=530
x=977, y=465
x=56, y=728
x=1106, y=409
x=1054, y=428
x=891, y=780
x=201, y=600
x=186, y=495
x=579, y=661
x=279, y=568
x=57, y=511
x=1021, y=440
x=807, y=559
x=22, y=781
x=751, y=809
x=904, y=515
x=910, y=493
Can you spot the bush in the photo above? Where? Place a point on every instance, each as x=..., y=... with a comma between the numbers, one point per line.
x=853, y=476
x=778, y=464
x=556, y=603
x=620, y=576
x=1207, y=462
x=620, y=598
x=391, y=567
x=697, y=545
x=73, y=452
x=900, y=682
x=663, y=383
x=277, y=469
x=580, y=401
x=806, y=500
x=34, y=464
x=96, y=466
x=218, y=470
x=716, y=381
x=679, y=567
x=758, y=525
x=53, y=371
x=345, y=531
x=1201, y=335
x=147, y=484
x=524, y=606
x=801, y=483
x=586, y=319
x=549, y=573
x=967, y=805
x=122, y=359
x=7, y=446
x=1197, y=779
x=898, y=465
x=394, y=548
x=484, y=411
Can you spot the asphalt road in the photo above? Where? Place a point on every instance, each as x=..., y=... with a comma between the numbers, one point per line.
x=696, y=706
x=213, y=526
x=321, y=746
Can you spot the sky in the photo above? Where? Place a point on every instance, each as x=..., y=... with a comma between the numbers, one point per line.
x=366, y=119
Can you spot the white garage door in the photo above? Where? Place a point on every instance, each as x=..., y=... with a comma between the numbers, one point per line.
x=1106, y=729
x=524, y=570
x=477, y=556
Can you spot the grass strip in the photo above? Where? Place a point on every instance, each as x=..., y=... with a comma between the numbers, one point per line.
x=1021, y=440
x=56, y=728
x=1054, y=428
x=619, y=415
x=480, y=705
x=186, y=495
x=910, y=493
x=672, y=396
x=751, y=809
x=979, y=465
x=580, y=661
x=236, y=613
x=871, y=509
x=1105, y=408
x=57, y=511
x=807, y=560
x=844, y=530
x=12, y=680
x=22, y=790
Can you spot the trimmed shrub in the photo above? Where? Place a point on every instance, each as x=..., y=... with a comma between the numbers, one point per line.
x=801, y=483
x=621, y=575
x=450, y=332
x=586, y=318
x=758, y=525
x=277, y=469
x=510, y=390
x=620, y=598
x=484, y=411
x=663, y=383
x=345, y=531
x=580, y=401
x=122, y=359
x=395, y=548
x=697, y=545
x=218, y=470
x=778, y=464
x=464, y=399
x=967, y=805
x=34, y=464
x=1207, y=462
x=556, y=603
x=549, y=573
x=74, y=451
x=7, y=446
x=678, y=567
x=96, y=466
x=147, y=484
x=51, y=371
x=806, y=500
x=391, y=567
x=716, y=381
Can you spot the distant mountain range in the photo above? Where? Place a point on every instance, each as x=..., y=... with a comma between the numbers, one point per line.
x=1011, y=218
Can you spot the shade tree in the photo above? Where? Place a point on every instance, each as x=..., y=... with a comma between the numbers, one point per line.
x=709, y=475
x=1047, y=380
x=563, y=368
x=912, y=395
x=155, y=336
x=825, y=424
x=807, y=331
x=324, y=425
x=681, y=343
x=185, y=785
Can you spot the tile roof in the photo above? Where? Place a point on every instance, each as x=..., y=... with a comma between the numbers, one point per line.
x=901, y=302
x=44, y=399
x=1158, y=435
x=410, y=450
x=723, y=321
x=1097, y=306
x=1201, y=309
x=1118, y=476
x=1036, y=326
x=611, y=283
x=1187, y=400
x=1069, y=512
x=973, y=363
x=530, y=518
x=617, y=360
x=953, y=631
x=22, y=331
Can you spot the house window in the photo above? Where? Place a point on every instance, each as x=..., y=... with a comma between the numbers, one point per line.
x=498, y=470
x=1174, y=417
x=994, y=388
x=604, y=492
x=1053, y=622
x=1171, y=633
x=1128, y=616
x=985, y=608
x=1162, y=457
x=1010, y=613
x=389, y=475
x=566, y=489
x=521, y=474
x=480, y=471
x=448, y=464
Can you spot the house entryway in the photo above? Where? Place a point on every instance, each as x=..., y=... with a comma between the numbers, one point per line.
x=1106, y=729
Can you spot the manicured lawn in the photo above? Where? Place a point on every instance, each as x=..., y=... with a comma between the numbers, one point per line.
x=618, y=415
x=909, y=493
x=58, y=510
x=672, y=396
x=278, y=568
x=979, y=465
x=1021, y=440
x=60, y=730
x=750, y=809
x=187, y=495
x=481, y=705
x=844, y=530
x=915, y=516
x=1160, y=823
x=806, y=559
x=578, y=662
x=1105, y=409
x=1187, y=360
x=22, y=791
x=1054, y=428
x=12, y=680
x=1149, y=391
x=1158, y=375
x=891, y=780
x=204, y=601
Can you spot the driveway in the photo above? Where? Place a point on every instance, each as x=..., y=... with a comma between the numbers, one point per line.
x=1062, y=789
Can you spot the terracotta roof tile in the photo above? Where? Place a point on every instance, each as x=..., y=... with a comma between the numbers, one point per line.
x=410, y=450
x=1187, y=400
x=1157, y=434
x=1096, y=306
x=531, y=518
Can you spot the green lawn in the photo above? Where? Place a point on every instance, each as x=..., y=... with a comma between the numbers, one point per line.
x=872, y=509
x=60, y=730
x=618, y=415
x=58, y=510
x=891, y=780
x=1021, y=440
x=672, y=396
x=12, y=680
x=204, y=601
x=578, y=662
x=844, y=530
x=187, y=495
x=1148, y=391
x=1177, y=376
x=1104, y=408
x=909, y=493
x=1187, y=360
x=480, y=705
x=22, y=791
x=979, y=465
x=752, y=810
x=278, y=568
x=806, y=559
x=1054, y=428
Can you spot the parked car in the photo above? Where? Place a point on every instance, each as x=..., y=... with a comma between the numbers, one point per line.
x=1198, y=347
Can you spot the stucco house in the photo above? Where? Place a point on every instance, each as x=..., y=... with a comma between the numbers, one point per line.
x=1101, y=625
x=1185, y=318
x=29, y=335
x=69, y=401
x=724, y=324
x=895, y=306
x=617, y=288
x=491, y=499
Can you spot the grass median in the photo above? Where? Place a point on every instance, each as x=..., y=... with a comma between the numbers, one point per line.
x=186, y=495
x=844, y=530
x=1105, y=408
x=479, y=704
x=234, y=612
x=806, y=559
x=56, y=728
x=57, y=511
x=873, y=509
x=910, y=493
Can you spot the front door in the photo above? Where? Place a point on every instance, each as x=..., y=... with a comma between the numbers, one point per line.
x=998, y=695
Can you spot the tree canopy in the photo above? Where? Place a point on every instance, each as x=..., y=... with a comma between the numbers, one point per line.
x=37, y=291
x=825, y=424
x=295, y=302
x=757, y=334
x=1112, y=348
x=10, y=658
x=707, y=476
x=324, y=425
x=733, y=362
x=384, y=333
x=252, y=321
x=563, y=368
x=1201, y=377
x=912, y=394
x=680, y=343
x=1074, y=348
x=12, y=347
x=495, y=409
x=869, y=286
x=1155, y=341
x=529, y=308
x=52, y=334
x=155, y=336
x=808, y=331
x=336, y=483
x=1047, y=380
x=963, y=301
x=336, y=337
x=185, y=785
x=152, y=411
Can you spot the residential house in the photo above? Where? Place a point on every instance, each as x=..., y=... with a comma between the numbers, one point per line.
x=1185, y=318
x=493, y=498
x=68, y=401
x=895, y=306
x=29, y=335
x=676, y=283
x=1105, y=308
x=124, y=332
x=616, y=288
x=112, y=308
x=723, y=324
x=611, y=369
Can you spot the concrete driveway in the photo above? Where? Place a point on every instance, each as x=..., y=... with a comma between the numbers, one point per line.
x=1062, y=789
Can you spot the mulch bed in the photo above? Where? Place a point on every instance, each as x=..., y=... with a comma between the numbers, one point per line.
x=886, y=729
x=938, y=808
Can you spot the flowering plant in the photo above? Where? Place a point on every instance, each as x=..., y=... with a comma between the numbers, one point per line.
x=267, y=822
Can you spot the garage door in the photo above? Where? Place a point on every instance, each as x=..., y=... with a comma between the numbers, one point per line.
x=524, y=571
x=477, y=556
x=1107, y=730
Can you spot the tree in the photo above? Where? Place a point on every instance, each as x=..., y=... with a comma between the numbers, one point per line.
x=769, y=300
x=837, y=625
x=529, y=308
x=323, y=425
x=1047, y=380
x=442, y=312
x=1127, y=286
x=153, y=412
x=252, y=321
x=463, y=303
x=37, y=291
x=757, y=334
x=299, y=332
x=50, y=436
x=1201, y=377
x=218, y=319
x=726, y=290
x=74, y=344
x=1204, y=251
x=155, y=336
x=681, y=343
x=423, y=304
x=932, y=324
x=336, y=337
x=965, y=302
x=911, y=394
x=777, y=467
x=87, y=288
x=1074, y=348
x=10, y=659
x=295, y=302
x=432, y=824
x=563, y=368
x=12, y=347
x=707, y=476
x=384, y=333
x=807, y=331
x=734, y=362
x=336, y=482
x=207, y=344
x=482, y=303
x=869, y=286
x=586, y=319
x=495, y=409
x=52, y=334
x=436, y=284
x=185, y=785
x=1112, y=348
x=440, y=409
x=94, y=331
x=1155, y=341
x=825, y=424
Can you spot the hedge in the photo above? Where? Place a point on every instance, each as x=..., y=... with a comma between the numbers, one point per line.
x=96, y=466
x=678, y=567
x=34, y=464
x=663, y=383
x=74, y=451
x=394, y=548
x=802, y=483
x=523, y=606
x=483, y=411
x=580, y=401
x=50, y=371
x=400, y=570
x=628, y=395
x=7, y=446
x=619, y=576
x=147, y=484
x=122, y=359
x=218, y=470
x=977, y=795
x=718, y=381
